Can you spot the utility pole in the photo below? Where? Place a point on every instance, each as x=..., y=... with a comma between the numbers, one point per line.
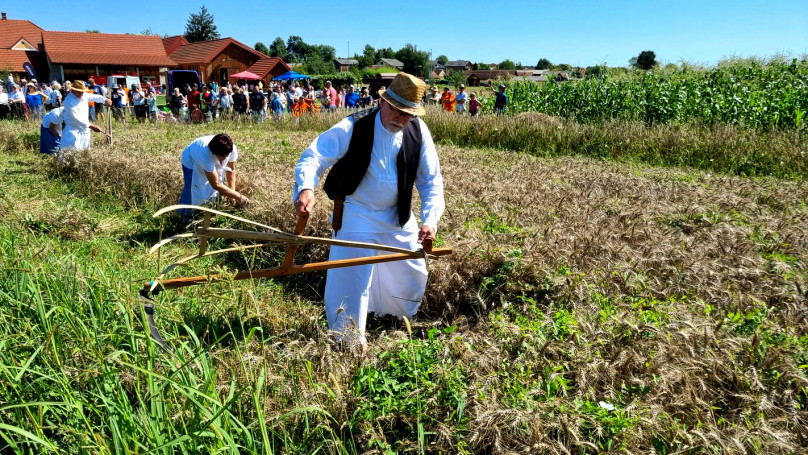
x=349, y=50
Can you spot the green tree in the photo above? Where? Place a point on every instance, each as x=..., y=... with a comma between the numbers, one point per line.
x=414, y=60
x=296, y=49
x=368, y=57
x=200, y=27
x=544, y=64
x=645, y=61
x=91, y=31
x=385, y=52
x=147, y=31
x=278, y=49
x=482, y=66
x=442, y=59
x=262, y=48
x=456, y=77
x=316, y=65
x=563, y=67
x=507, y=65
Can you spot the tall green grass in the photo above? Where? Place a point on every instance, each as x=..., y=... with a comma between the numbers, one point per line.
x=752, y=93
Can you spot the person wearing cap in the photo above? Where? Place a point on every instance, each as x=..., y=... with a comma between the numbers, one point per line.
x=434, y=97
x=377, y=156
x=117, y=98
x=95, y=111
x=76, y=134
x=460, y=100
x=351, y=98
x=208, y=171
x=447, y=100
x=50, y=131
x=500, y=100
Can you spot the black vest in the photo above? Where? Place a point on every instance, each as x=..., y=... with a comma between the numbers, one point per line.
x=346, y=175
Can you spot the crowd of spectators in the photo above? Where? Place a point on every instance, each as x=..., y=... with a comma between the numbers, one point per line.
x=205, y=103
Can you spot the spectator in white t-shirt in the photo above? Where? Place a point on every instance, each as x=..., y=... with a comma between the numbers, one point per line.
x=461, y=100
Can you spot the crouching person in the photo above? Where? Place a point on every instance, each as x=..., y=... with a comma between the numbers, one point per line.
x=50, y=132
x=209, y=170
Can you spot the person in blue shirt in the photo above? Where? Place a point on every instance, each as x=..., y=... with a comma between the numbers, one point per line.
x=501, y=100
x=351, y=98
x=33, y=100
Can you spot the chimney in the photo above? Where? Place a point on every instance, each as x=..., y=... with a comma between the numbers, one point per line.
x=3, y=17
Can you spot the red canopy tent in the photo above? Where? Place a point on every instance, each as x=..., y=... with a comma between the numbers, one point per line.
x=246, y=75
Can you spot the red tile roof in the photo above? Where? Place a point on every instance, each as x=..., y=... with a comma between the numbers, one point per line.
x=12, y=30
x=264, y=66
x=14, y=61
x=172, y=43
x=105, y=49
x=205, y=51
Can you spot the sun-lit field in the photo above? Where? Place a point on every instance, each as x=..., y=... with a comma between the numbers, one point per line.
x=614, y=287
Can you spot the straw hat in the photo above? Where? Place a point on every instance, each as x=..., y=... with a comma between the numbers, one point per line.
x=79, y=86
x=405, y=93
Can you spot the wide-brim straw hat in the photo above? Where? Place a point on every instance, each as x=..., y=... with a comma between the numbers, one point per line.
x=79, y=86
x=405, y=93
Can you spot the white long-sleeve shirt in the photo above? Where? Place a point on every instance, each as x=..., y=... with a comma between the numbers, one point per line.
x=77, y=110
x=373, y=207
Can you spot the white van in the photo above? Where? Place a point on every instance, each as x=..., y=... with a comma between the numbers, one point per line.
x=122, y=81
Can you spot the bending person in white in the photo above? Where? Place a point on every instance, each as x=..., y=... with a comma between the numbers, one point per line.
x=371, y=212
x=208, y=170
x=76, y=134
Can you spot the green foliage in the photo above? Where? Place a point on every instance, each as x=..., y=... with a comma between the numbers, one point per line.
x=482, y=66
x=456, y=77
x=200, y=26
x=278, y=49
x=754, y=94
x=261, y=47
x=337, y=79
x=645, y=61
x=563, y=67
x=544, y=64
x=405, y=381
x=414, y=60
x=507, y=65
x=368, y=57
x=442, y=59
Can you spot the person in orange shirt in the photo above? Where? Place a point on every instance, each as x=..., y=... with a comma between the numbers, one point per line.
x=448, y=100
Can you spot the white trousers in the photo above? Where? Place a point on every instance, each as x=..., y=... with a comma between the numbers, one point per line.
x=394, y=288
x=76, y=138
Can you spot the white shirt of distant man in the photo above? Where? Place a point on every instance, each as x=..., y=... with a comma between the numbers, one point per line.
x=199, y=159
x=371, y=213
x=461, y=99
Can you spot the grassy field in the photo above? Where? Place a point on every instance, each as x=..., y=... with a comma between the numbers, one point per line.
x=596, y=301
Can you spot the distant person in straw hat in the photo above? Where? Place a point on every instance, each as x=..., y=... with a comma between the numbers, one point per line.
x=460, y=99
x=377, y=156
x=76, y=134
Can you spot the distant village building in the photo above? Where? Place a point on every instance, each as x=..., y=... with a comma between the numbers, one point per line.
x=78, y=55
x=391, y=63
x=476, y=77
x=21, y=48
x=345, y=64
x=458, y=65
x=216, y=60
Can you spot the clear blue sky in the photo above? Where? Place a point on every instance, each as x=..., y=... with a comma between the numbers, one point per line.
x=584, y=32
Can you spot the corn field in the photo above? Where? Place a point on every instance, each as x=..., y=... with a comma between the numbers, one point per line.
x=751, y=93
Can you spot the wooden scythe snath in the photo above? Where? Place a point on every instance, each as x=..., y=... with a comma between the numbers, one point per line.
x=269, y=237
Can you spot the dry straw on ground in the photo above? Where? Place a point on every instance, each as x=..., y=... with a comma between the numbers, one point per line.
x=651, y=264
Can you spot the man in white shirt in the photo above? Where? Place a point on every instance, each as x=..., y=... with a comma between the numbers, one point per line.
x=461, y=99
x=209, y=170
x=376, y=158
x=77, y=116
